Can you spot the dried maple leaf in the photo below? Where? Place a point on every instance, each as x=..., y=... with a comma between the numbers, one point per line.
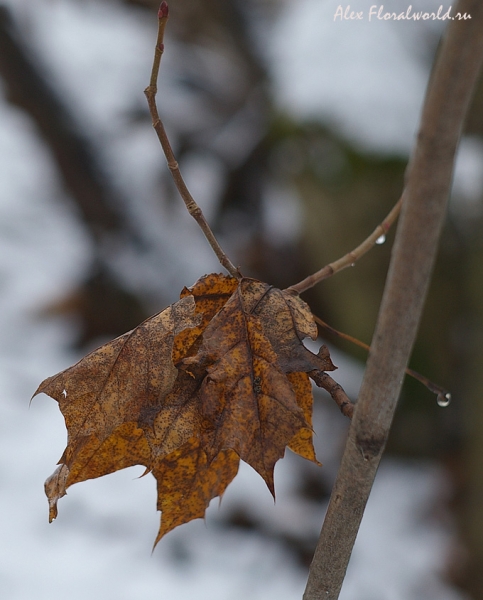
x=219, y=376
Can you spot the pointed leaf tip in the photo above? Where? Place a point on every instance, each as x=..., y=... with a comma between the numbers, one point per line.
x=55, y=488
x=163, y=11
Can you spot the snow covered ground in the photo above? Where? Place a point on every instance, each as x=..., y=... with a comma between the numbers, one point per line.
x=100, y=545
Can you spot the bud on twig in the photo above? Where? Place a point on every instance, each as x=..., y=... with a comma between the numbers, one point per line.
x=163, y=11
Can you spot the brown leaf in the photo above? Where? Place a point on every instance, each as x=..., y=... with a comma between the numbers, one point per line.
x=187, y=483
x=220, y=375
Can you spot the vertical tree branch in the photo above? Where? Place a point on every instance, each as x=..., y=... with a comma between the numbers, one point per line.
x=424, y=203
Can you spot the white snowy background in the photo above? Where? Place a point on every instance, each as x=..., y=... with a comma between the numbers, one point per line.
x=367, y=80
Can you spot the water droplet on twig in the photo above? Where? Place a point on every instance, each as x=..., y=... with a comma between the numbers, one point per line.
x=443, y=400
x=381, y=239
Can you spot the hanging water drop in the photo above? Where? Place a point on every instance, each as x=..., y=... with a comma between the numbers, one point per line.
x=381, y=239
x=443, y=400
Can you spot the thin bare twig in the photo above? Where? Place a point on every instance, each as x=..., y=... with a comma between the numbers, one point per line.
x=443, y=396
x=193, y=209
x=425, y=197
x=352, y=257
x=325, y=381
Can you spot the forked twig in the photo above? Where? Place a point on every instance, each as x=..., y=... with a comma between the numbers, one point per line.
x=193, y=209
x=350, y=258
